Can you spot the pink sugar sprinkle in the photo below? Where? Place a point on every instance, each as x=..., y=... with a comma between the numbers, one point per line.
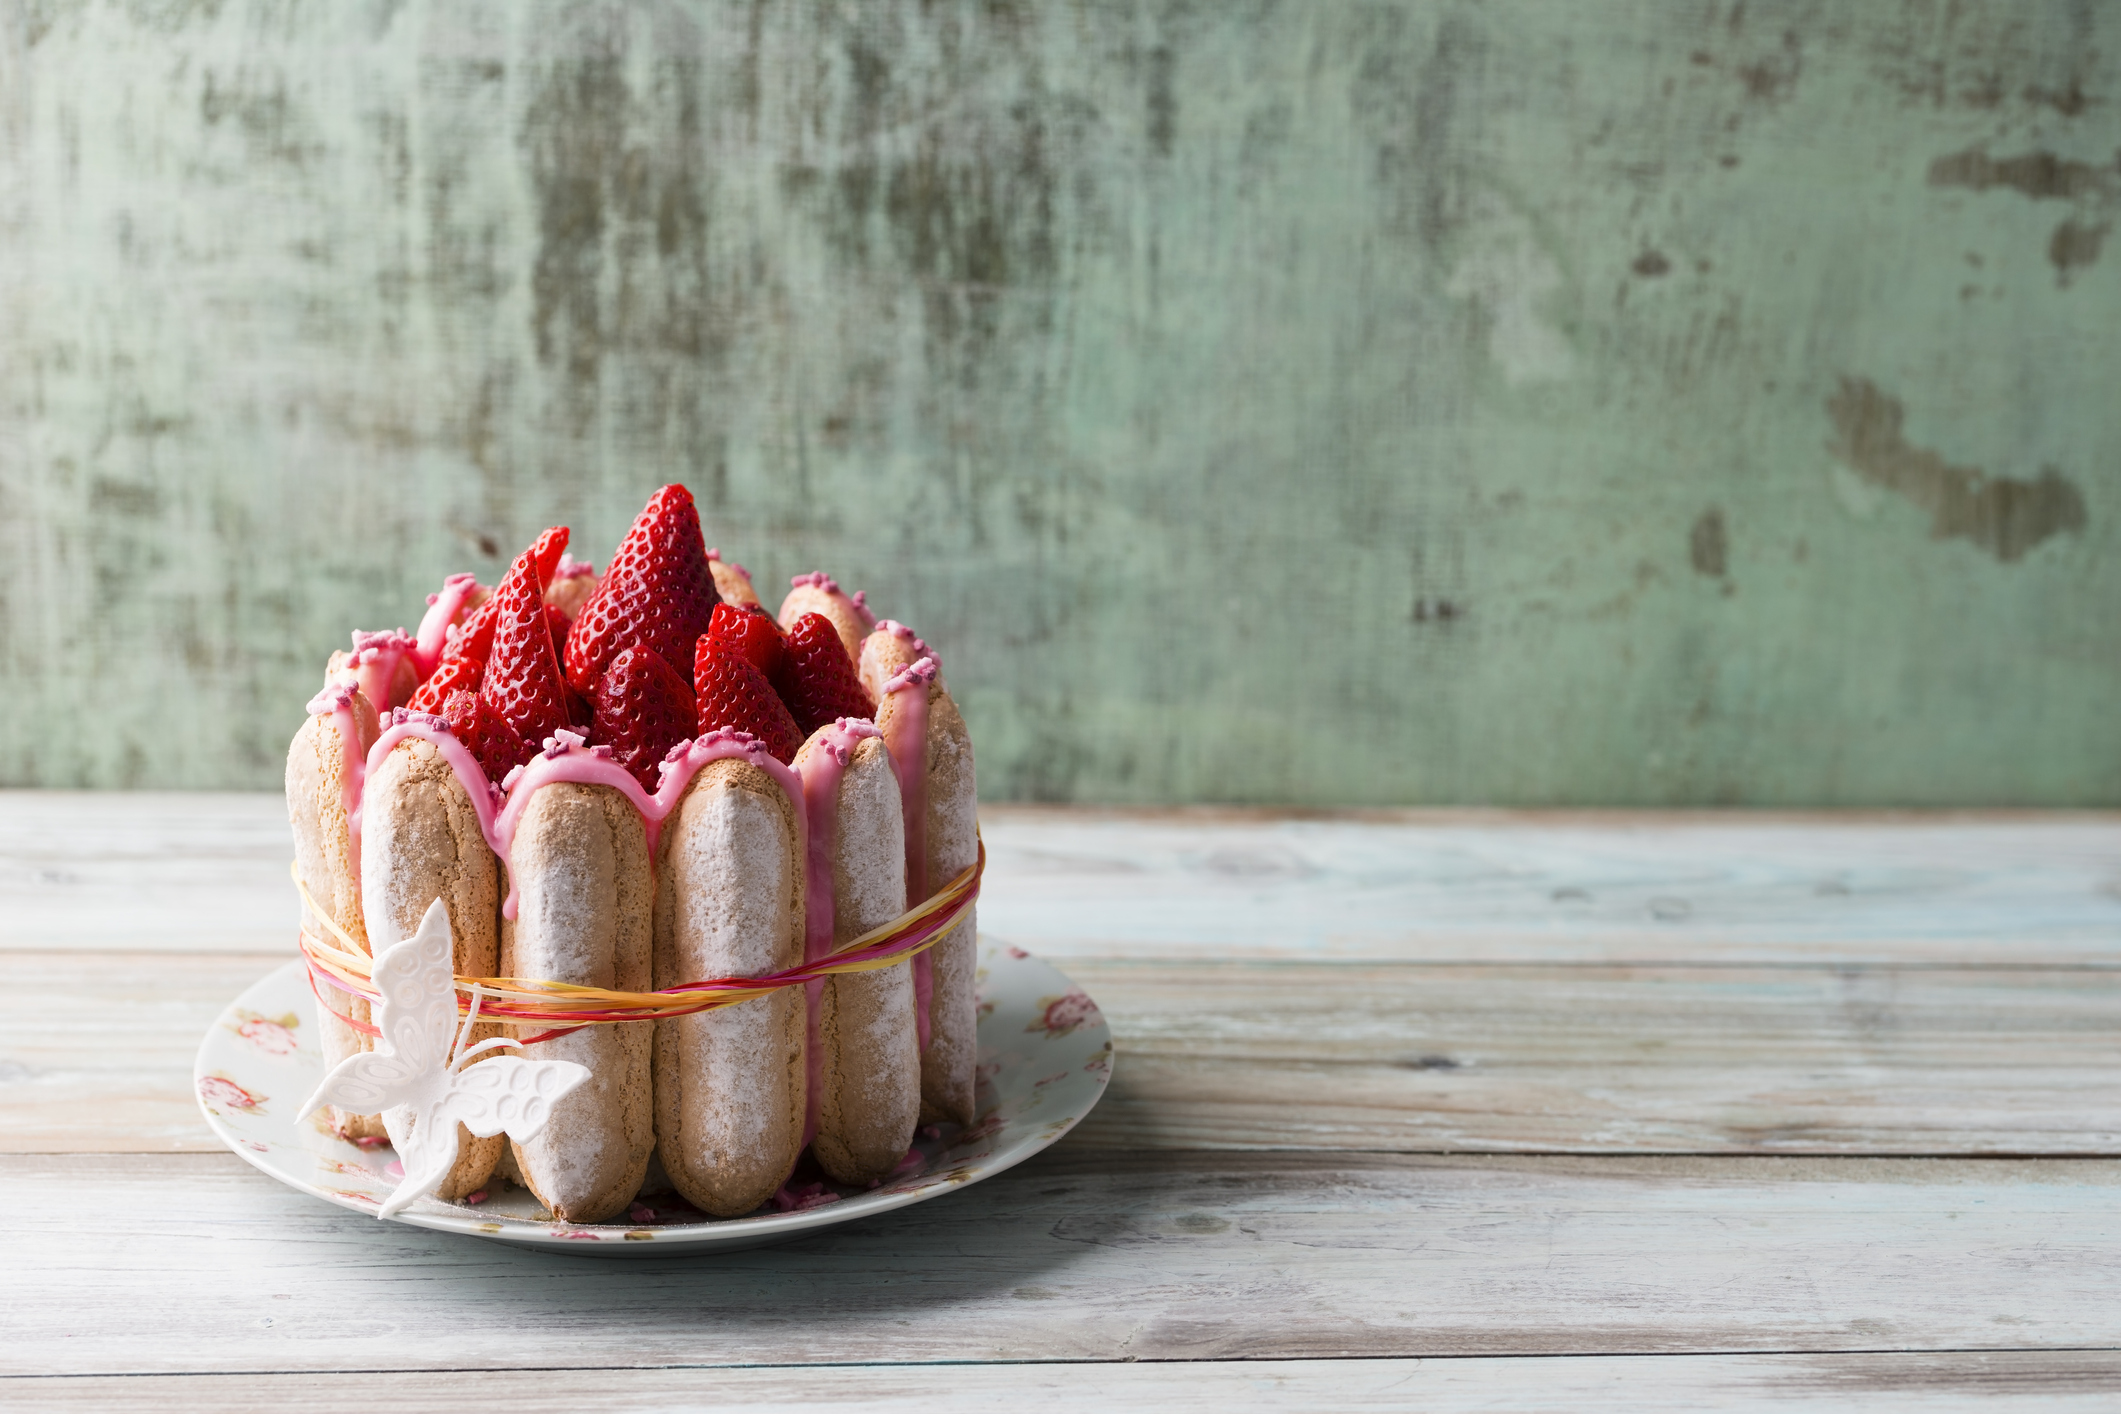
x=919, y=673
x=474, y=1199
x=572, y=568
x=641, y=1213
x=907, y=1164
x=371, y=1141
x=332, y=698
x=796, y=1200
x=400, y=716
x=393, y=1169
x=816, y=579
x=393, y=639
x=931, y=1131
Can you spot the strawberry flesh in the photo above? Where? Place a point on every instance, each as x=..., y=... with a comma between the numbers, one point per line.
x=657, y=593
x=454, y=674
x=823, y=683
x=523, y=687
x=735, y=696
x=642, y=710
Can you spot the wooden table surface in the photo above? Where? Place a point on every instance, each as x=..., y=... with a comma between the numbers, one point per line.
x=1439, y=1111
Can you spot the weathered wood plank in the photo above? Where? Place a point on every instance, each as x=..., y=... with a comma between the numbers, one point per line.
x=1090, y=1255
x=133, y=872
x=127, y=871
x=1608, y=1060
x=96, y=1050
x=2056, y=1382
x=1545, y=887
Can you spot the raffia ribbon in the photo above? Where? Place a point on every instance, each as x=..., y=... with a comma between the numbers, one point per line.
x=345, y=968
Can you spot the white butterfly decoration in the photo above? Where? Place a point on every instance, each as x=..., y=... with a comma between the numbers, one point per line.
x=420, y=1081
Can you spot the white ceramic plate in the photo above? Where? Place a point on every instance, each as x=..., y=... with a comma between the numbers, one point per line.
x=1045, y=1055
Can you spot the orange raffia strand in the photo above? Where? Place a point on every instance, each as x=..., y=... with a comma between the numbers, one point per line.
x=516, y=999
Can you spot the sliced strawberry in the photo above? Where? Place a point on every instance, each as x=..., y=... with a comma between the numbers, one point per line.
x=753, y=635
x=657, y=592
x=473, y=639
x=735, y=696
x=642, y=710
x=824, y=684
x=523, y=686
x=453, y=674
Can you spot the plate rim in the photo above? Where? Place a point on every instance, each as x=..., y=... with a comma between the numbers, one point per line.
x=596, y=1239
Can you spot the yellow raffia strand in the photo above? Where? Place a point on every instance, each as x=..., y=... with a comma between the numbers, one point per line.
x=518, y=999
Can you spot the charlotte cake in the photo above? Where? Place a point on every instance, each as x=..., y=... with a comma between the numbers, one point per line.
x=533, y=756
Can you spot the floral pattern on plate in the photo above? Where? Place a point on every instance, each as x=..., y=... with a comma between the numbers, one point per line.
x=1045, y=1058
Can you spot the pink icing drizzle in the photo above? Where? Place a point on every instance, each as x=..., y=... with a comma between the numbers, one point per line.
x=442, y=611
x=336, y=701
x=565, y=758
x=821, y=772
x=571, y=568
x=375, y=662
x=907, y=740
x=860, y=601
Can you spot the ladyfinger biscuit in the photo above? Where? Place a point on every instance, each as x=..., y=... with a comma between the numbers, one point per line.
x=385, y=666
x=323, y=785
x=950, y=1062
x=868, y=1062
x=729, y=1083
x=573, y=581
x=732, y=581
x=584, y=913
x=946, y=840
x=817, y=594
x=421, y=842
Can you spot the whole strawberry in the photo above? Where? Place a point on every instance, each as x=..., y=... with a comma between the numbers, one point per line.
x=491, y=741
x=523, y=686
x=657, y=593
x=642, y=710
x=736, y=696
x=823, y=685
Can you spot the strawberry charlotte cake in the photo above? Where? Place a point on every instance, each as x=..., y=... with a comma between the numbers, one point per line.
x=535, y=757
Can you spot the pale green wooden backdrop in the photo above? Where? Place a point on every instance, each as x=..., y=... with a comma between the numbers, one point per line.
x=1493, y=402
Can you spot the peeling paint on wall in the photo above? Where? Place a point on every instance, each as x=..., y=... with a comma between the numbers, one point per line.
x=1995, y=513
